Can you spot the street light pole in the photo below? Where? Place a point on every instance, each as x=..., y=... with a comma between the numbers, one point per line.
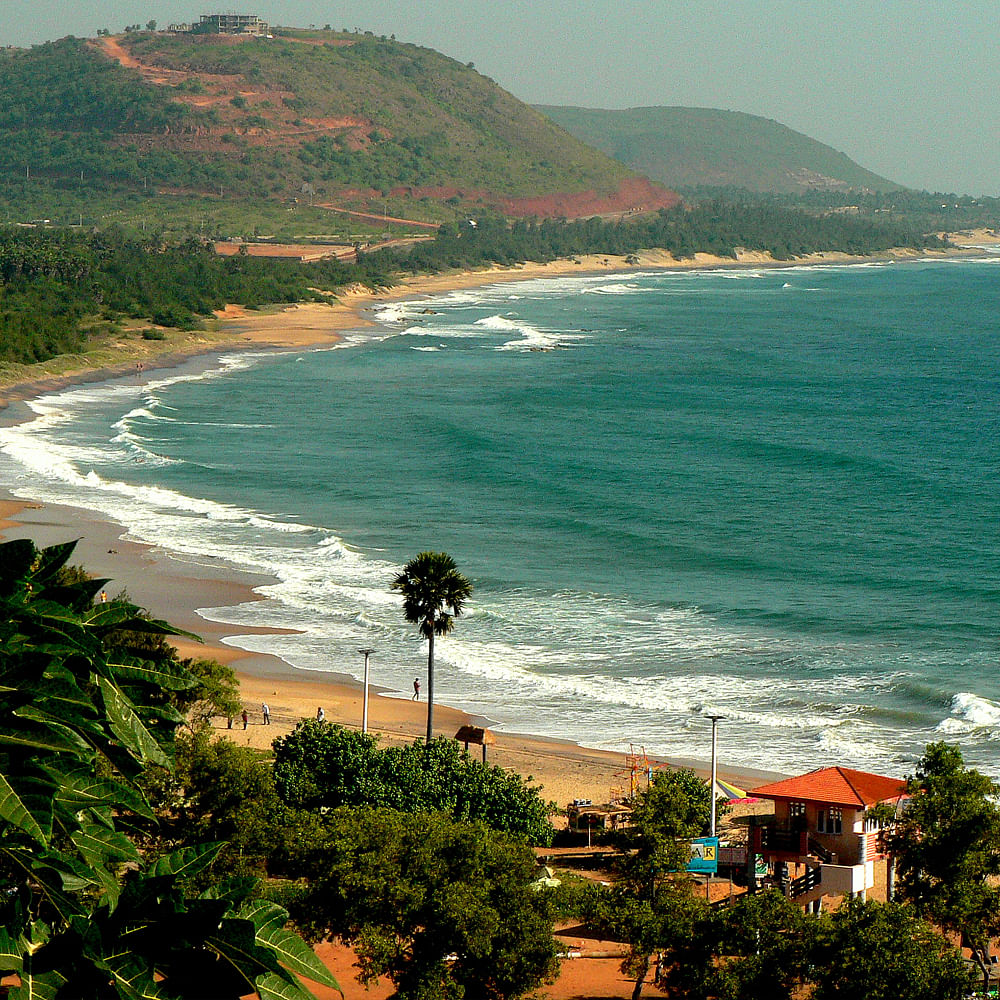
x=364, y=714
x=715, y=722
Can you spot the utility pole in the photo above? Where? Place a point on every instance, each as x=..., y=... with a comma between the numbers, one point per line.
x=364, y=712
x=715, y=722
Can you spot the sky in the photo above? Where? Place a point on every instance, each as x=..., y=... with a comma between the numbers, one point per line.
x=908, y=88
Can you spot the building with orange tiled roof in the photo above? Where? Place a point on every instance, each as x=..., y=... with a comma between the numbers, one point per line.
x=818, y=842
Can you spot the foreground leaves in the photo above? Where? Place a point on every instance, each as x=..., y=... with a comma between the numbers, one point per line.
x=82, y=913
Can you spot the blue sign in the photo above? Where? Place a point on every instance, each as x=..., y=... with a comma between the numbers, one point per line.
x=704, y=856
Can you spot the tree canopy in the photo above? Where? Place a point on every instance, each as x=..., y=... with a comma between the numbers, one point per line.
x=320, y=765
x=446, y=910
x=947, y=844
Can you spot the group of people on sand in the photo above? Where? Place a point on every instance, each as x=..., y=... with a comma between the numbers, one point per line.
x=265, y=711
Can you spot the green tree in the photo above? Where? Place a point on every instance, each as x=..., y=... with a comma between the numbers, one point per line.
x=650, y=896
x=947, y=846
x=434, y=593
x=668, y=920
x=674, y=808
x=225, y=793
x=80, y=720
x=758, y=949
x=216, y=691
x=765, y=944
x=446, y=910
x=325, y=766
x=319, y=765
x=883, y=951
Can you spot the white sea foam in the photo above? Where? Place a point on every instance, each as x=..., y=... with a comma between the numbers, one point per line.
x=622, y=288
x=531, y=337
x=970, y=712
x=395, y=312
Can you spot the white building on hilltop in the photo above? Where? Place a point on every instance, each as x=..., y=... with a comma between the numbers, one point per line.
x=231, y=24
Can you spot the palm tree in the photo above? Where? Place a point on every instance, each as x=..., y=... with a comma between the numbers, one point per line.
x=433, y=594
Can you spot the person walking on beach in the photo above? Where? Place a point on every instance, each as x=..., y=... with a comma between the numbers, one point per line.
x=246, y=718
x=104, y=597
x=266, y=712
x=416, y=689
x=320, y=714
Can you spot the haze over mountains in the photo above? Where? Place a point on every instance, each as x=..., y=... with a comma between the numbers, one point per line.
x=698, y=147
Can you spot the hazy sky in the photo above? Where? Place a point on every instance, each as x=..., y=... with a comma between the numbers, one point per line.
x=908, y=88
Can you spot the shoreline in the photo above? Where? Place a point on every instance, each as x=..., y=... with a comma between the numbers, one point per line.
x=322, y=325
x=174, y=589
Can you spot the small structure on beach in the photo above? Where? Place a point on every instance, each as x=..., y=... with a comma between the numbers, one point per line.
x=476, y=734
x=582, y=816
x=819, y=842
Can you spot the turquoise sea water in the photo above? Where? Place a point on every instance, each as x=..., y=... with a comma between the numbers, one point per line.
x=770, y=495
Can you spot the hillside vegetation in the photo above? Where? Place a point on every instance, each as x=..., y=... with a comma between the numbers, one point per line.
x=329, y=118
x=687, y=147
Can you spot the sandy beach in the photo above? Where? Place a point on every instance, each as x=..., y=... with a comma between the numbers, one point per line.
x=318, y=324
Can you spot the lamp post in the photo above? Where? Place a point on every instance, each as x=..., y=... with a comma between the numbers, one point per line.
x=364, y=713
x=715, y=722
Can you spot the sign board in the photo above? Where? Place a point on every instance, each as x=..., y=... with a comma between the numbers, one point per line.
x=704, y=856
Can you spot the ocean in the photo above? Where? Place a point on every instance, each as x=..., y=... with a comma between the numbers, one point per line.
x=769, y=495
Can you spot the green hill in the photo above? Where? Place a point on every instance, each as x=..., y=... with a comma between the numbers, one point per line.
x=323, y=117
x=698, y=147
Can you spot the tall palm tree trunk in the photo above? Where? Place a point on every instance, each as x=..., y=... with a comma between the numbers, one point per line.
x=430, y=686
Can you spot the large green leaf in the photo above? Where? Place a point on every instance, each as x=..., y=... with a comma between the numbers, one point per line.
x=58, y=693
x=128, y=727
x=134, y=979
x=291, y=950
x=98, y=846
x=40, y=986
x=16, y=559
x=236, y=943
x=63, y=621
x=12, y=951
x=123, y=617
x=79, y=789
x=52, y=559
x=36, y=735
x=37, y=985
x=274, y=987
x=47, y=879
x=13, y=810
x=187, y=861
x=167, y=674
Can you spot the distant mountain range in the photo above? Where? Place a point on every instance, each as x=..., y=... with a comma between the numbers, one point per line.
x=699, y=147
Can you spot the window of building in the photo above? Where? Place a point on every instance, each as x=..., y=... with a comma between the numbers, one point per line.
x=830, y=820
